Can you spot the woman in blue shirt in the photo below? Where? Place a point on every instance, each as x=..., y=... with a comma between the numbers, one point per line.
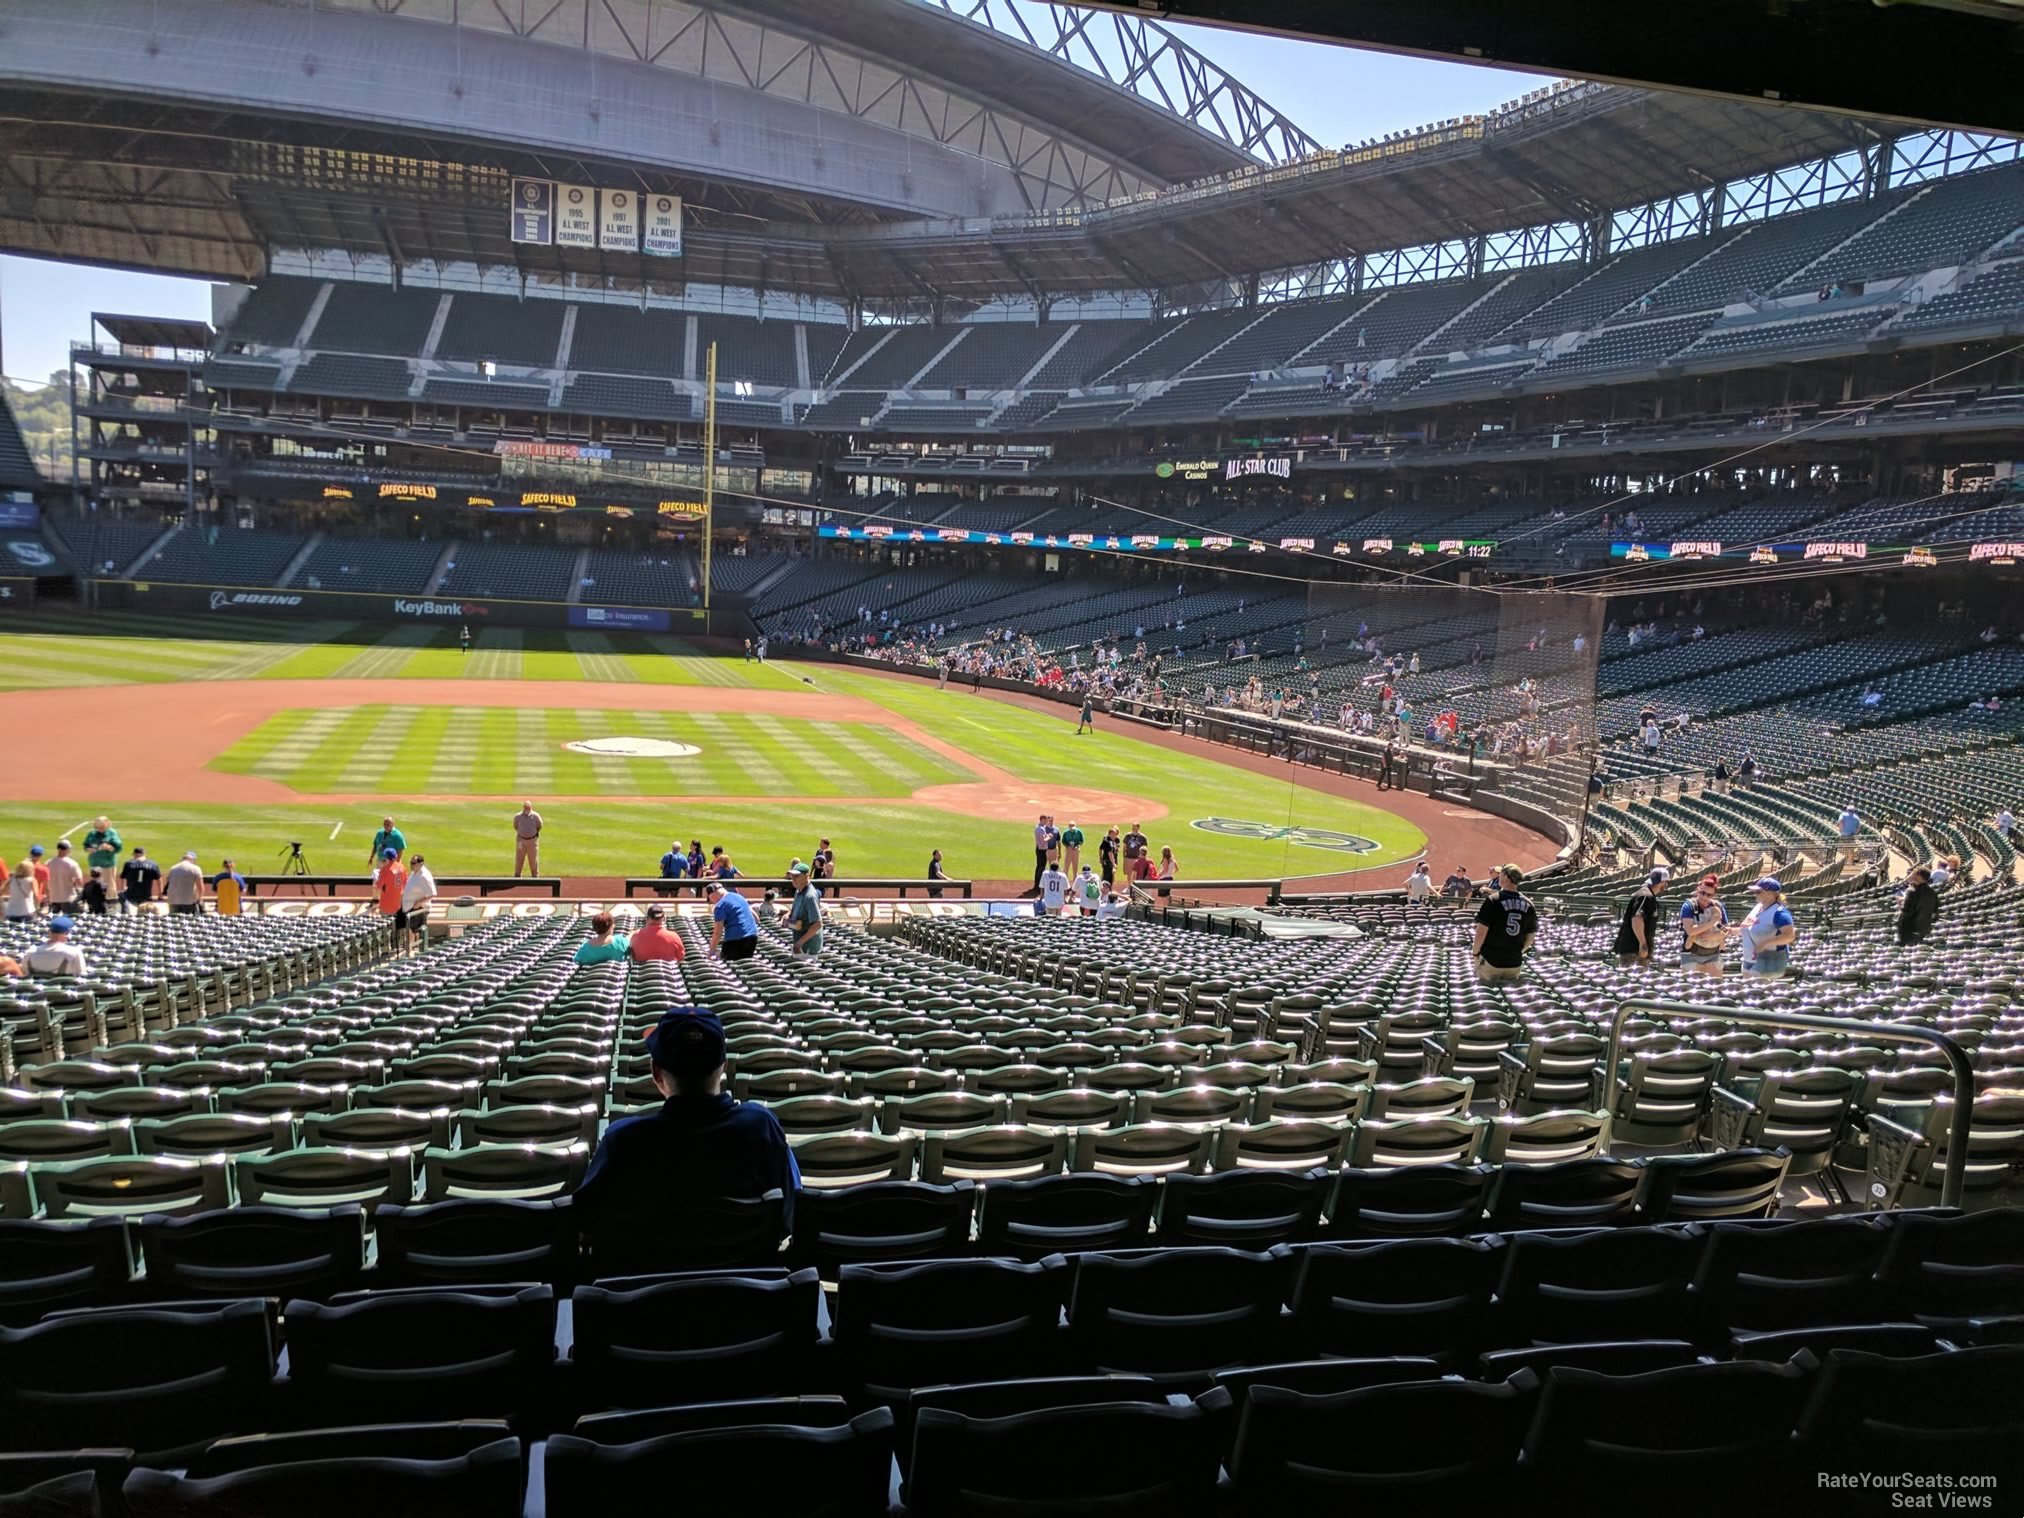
x=602, y=944
x=1769, y=931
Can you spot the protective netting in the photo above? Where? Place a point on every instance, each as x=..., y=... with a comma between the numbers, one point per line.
x=1475, y=692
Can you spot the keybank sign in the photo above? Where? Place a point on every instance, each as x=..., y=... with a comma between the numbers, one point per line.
x=438, y=609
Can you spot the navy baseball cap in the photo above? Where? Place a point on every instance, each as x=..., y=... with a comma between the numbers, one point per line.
x=1768, y=883
x=687, y=1041
x=389, y=854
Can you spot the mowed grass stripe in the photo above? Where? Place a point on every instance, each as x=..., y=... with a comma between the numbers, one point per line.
x=301, y=746
x=497, y=655
x=903, y=763
x=369, y=761
x=415, y=752
x=533, y=753
x=254, y=753
x=387, y=657
x=320, y=769
x=496, y=769
x=597, y=658
x=458, y=748
x=818, y=768
x=303, y=735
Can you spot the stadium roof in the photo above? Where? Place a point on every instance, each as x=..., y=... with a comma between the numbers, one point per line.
x=237, y=128
x=153, y=331
x=1926, y=62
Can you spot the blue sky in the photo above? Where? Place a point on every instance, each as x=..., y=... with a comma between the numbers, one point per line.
x=1338, y=94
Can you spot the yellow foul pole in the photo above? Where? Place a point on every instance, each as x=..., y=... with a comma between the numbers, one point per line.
x=709, y=474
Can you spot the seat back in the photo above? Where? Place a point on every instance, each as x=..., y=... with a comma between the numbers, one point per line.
x=743, y=1334
x=1424, y=1297
x=1290, y=1455
x=1176, y=1312
x=254, y=1252
x=1143, y=1149
x=1122, y=1459
x=1567, y=1194
x=1547, y=1138
x=47, y=1266
x=483, y=1480
x=428, y=1352
x=164, y=1379
x=198, y=1134
x=124, y=1187
x=1065, y=1214
x=882, y=1220
x=847, y=1159
x=522, y=1172
x=1012, y=1152
x=840, y=1469
x=1281, y=1144
x=328, y=1177
x=1742, y=1183
x=1244, y=1209
x=927, y=1324
x=1408, y=1201
x=477, y=1242
x=1415, y=1141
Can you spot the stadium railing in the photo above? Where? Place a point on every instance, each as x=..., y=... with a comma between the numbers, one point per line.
x=484, y=885
x=657, y=885
x=1962, y=1068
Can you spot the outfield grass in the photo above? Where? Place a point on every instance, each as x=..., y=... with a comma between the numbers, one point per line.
x=397, y=748
x=67, y=650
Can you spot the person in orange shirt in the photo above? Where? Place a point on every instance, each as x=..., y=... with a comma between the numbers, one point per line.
x=389, y=884
x=654, y=941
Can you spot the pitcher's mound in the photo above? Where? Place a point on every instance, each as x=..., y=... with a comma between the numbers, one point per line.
x=1022, y=801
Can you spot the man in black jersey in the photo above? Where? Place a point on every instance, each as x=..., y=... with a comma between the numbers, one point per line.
x=1638, y=932
x=1505, y=927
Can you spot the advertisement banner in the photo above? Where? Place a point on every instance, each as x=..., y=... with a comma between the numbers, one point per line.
x=513, y=448
x=620, y=618
x=404, y=607
x=20, y=516
x=233, y=600
x=534, y=211
x=664, y=226
x=32, y=555
x=368, y=606
x=575, y=216
x=618, y=221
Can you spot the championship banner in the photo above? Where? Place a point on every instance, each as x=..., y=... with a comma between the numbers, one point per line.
x=664, y=225
x=575, y=216
x=534, y=211
x=618, y=223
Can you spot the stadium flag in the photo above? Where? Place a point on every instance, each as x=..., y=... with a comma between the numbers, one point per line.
x=534, y=211
x=618, y=225
x=575, y=216
x=664, y=225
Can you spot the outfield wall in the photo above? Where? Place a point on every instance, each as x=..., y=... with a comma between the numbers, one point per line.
x=16, y=593
x=241, y=603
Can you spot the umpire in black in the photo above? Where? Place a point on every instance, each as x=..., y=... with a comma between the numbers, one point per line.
x=702, y=1145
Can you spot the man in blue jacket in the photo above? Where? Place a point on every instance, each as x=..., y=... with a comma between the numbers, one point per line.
x=702, y=1145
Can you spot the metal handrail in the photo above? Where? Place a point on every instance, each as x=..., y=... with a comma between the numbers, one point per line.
x=1956, y=1177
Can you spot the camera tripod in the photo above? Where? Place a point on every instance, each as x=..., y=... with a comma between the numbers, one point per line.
x=295, y=862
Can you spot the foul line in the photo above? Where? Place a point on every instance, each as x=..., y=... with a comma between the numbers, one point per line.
x=336, y=830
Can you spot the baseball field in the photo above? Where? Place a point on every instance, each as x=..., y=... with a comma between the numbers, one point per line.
x=237, y=746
